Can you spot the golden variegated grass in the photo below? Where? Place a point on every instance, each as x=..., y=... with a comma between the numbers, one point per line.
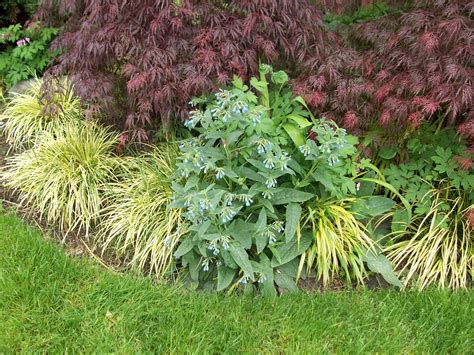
x=27, y=114
x=437, y=247
x=339, y=242
x=63, y=175
x=136, y=221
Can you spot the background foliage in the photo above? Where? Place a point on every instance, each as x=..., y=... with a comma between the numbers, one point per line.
x=398, y=71
x=25, y=53
x=159, y=66
x=437, y=246
x=16, y=11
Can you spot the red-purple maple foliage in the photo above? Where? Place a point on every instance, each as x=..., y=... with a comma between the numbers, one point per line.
x=419, y=65
x=158, y=54
x=342, y=6
x=143, y=60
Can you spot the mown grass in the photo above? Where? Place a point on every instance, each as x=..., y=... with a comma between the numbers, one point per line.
x=52, y=302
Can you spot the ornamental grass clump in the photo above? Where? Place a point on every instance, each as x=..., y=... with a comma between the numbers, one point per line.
x=436, y=247
x=136, y=222
x=29, y=114
x=62, y=177
x=340, y=241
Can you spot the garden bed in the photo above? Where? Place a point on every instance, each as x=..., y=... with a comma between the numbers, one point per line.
x=78, y=245
x=263, y=196
x=337, y=171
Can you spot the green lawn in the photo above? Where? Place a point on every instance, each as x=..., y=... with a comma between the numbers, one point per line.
x=52, y=302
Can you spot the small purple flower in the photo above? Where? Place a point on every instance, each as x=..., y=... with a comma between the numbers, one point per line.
x=23, y=42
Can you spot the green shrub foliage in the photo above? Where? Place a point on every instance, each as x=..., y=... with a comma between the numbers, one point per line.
x=16, y=11
x=245, y=179
x=26, y=52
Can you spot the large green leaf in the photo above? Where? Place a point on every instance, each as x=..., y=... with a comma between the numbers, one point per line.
x=260, y=239
x=324, y=177
x=242, y=232
x=367, y=188
x=233, y=137
x=286, y=252
x=228, y=259
x=399, y=220
x=373, y=205
x=295, y=134
x=286, y=282
x=264, y=267
x=185, y=247
x=381, y=265
x=285, y=195
x=299, y=120
x=192, y=261
x=394, y=191
x=388, y=153
x=249, y=174
x=241, y=258
x=262, y=220
x=293, y=214
x=225, y=276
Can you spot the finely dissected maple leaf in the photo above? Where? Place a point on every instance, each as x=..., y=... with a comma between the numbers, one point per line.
x=158, y=54
x=415, y=66
x=142, y=64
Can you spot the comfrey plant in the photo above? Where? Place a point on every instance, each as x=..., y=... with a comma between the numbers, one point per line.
x=243, y=179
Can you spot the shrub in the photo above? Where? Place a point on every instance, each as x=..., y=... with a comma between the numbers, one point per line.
x=26, y=52
x=64, y=174
x=243, y=180
x=393, y=73
x=436, y=247
x=28, y=114
x=407, y=69
x=136, y=222
x=16, y=11
x=164, y=52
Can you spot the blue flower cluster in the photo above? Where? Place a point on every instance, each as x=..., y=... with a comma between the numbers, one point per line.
x=273, y=231
x=227, y=214
x=215, y=245
x=330, y=141
x=195, y=117
x=197, y=206
x=256, y=115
